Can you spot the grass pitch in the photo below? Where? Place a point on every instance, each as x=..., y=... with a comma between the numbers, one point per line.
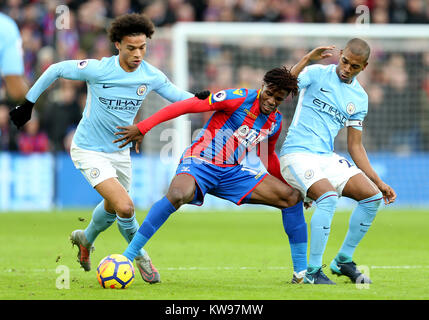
x=204, y=255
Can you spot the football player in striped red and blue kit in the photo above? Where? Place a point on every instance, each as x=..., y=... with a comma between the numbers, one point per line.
x=243, y=119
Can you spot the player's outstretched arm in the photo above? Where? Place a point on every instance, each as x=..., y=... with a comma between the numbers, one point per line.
x=174, y=110
x=16, y=87
x=70, y=69
x=358, y=154
x=316, y=54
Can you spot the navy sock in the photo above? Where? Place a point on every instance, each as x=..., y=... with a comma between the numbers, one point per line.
x=155, y=218
x=296, y=230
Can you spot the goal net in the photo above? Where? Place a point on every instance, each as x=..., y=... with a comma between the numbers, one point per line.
x=216, y=56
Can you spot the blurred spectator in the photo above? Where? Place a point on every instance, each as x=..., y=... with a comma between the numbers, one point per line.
x=61, y=114
x=415, y=12
x=7, y=132
x=397, y=85
x=31, y=139
x=402, y=107
x=376, y=132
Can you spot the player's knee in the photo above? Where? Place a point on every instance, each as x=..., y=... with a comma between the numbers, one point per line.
x=373, y=203
x=328, y=202
x=125, y=209
x=178, y=196
x=291, y=197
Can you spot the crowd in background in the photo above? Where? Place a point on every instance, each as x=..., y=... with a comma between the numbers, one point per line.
x=402, y=77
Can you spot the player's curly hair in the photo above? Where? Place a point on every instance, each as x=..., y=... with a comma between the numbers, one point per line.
x=130, y=24
x=282, y=79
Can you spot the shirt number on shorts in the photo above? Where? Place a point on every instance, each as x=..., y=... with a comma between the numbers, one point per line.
x=346, y=161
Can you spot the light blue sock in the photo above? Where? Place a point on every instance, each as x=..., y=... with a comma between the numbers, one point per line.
x=100, y=221
x=360, y=221
x=296, y=230
x=128, y=228
x=321, y=227
x=155, y=218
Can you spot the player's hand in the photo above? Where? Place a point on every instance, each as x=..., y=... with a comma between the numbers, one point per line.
x=389, y=195
x=21, y=114
x=203, y=95
x=129, y=134
x=320, y=53
x=137, y=144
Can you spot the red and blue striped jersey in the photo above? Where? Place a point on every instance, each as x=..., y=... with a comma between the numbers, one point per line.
x=235, y=128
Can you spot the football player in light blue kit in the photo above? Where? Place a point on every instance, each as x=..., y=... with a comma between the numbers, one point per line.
x=330, y=99
x=116, y=87
x=11, y=59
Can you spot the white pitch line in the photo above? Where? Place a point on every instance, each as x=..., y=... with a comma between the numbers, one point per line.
x=214, y=268
x=277, y=268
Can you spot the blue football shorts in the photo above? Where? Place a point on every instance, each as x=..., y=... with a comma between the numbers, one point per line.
x=235, y=183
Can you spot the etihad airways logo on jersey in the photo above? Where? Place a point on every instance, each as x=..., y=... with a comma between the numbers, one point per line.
x=327, y=108
x=121, y=104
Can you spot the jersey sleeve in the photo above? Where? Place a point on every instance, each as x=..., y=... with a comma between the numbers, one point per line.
x=85, y=70
x=227, y=100
x=192, y=105
x=166, y=89
x=307, y=75
x=11, y=55
x=356, y=120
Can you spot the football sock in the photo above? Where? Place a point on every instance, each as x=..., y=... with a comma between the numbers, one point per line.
x=296, y=230
x=155, y=218
x=128, y=228
x=321, y=226
x=360, y=221
x=100, y=221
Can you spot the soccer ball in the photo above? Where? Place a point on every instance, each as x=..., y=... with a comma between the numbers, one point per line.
x=115, y=272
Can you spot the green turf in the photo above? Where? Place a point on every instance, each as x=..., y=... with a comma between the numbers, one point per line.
x=212, y=255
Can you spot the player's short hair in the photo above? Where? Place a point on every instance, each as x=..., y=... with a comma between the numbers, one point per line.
x=130, y=24
x=282, y=79
x=359, y=47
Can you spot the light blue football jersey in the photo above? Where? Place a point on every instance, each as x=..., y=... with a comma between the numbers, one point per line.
x=325, y=106
x=11, y=56
x=114, y=96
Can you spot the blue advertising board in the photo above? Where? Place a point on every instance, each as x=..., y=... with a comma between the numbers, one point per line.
x=46, y=181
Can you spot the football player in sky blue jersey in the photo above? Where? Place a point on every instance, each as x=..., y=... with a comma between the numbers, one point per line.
x=116, y=86
x=11, y=59
x=330, y=99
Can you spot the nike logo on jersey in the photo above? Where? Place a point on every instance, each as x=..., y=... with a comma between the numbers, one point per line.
x=323, y=90
x=105, y=86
